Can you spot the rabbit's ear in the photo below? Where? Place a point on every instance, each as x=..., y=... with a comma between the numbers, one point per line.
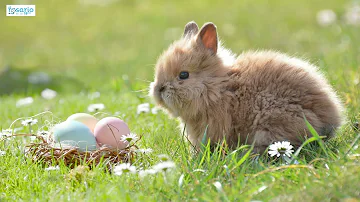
x=191, y=28
x=208, y=36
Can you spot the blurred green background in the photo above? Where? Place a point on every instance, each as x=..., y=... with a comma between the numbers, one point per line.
x=112, y=45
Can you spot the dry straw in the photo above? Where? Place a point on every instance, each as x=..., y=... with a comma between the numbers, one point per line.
x=44, y=152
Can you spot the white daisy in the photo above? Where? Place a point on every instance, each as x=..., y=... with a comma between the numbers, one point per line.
x=154, y=110
x=129, y=138
x=352, y=16
x=43, y=133
x=5, y=133
x=32, y=138
x=278, y=149
x=124, y=168
x=164, y=157
x=29, y=122
x=48, y=94
x=326, y=17
x=2, y=153
x=143, y=173
x=96, y=107
x=145, y=151
x=24, y=102
x=51, y=168
x=164, y=166
x=143, y=108
x=218, y=186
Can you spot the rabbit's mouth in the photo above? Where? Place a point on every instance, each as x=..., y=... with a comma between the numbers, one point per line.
x=164, y=97
x=167, y=98
x=171, y=103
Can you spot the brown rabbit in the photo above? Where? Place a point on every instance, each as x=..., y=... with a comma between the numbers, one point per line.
x=261, y=97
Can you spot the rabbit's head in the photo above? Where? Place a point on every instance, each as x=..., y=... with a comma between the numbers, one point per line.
x=188, y=72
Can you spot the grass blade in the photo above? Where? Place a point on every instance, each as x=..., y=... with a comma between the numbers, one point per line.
x=203, y=140
x=316, y=135
x=243, y=159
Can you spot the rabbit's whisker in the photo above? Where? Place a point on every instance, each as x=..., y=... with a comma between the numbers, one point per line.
x=139, y=91
x=144, y=80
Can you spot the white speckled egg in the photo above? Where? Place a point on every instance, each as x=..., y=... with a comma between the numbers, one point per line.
x=109, y=130
x=87, y=119
x=76, y=134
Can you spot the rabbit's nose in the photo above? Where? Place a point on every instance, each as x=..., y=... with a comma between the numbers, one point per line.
x=162, y=88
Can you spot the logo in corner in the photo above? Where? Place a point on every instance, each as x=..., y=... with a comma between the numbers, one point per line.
x=20, y=10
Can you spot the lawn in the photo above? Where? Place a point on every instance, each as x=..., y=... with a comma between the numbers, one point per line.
x=81, y=47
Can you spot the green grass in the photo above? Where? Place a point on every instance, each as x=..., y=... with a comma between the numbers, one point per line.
x=112, y=49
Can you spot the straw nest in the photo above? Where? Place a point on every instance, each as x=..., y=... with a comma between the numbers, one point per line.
x=45, y=152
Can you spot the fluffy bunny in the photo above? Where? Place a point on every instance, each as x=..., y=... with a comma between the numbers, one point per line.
x=260, y=97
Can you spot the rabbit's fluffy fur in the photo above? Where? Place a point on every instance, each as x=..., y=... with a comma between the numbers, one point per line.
x=260, y=97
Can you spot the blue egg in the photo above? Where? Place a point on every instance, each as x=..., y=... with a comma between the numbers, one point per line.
x=76, y=134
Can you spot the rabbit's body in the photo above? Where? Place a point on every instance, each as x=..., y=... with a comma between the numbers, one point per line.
x=264, y=97
x=261, y=97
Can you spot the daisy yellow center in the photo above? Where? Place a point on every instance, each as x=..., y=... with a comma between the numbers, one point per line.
x=282, y=150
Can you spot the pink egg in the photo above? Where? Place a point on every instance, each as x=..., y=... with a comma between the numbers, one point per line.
x=108, y=131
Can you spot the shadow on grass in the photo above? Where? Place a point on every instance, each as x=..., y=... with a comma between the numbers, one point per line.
x=32, y=81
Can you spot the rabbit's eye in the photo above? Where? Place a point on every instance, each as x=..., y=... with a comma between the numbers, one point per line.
x=184, y=75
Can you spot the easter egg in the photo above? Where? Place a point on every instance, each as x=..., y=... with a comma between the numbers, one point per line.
x=87, y=119
x=108, y=131
x=76, y=134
